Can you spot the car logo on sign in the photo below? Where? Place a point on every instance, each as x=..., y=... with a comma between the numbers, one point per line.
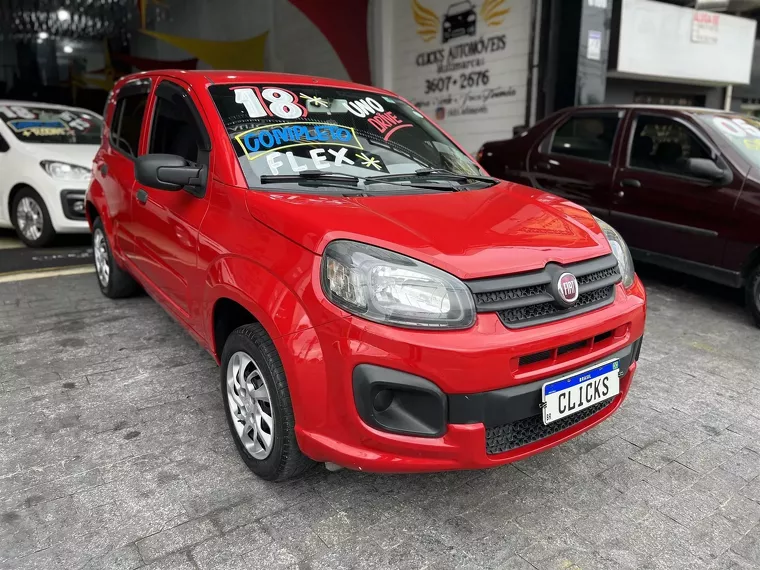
x=567, y=288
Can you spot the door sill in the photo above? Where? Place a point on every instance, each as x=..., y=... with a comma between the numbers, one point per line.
x=701, y=270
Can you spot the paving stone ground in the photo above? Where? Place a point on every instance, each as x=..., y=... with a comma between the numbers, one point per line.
x=114, y=453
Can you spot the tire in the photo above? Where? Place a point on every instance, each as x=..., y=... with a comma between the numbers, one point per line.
x=31, y=219
x=249, y=355
x=114, y=282
x=752, y=289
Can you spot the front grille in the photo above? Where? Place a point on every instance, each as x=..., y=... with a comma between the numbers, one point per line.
x=529, y=298
x=522, y=432
x=554, y=354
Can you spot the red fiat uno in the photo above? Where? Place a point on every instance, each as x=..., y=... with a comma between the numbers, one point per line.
x=374, y=299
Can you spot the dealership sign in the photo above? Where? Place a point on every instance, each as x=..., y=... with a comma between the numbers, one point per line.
x=464, y=63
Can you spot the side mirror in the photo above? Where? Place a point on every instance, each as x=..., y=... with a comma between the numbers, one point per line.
x=707, y=170
x=171, y=172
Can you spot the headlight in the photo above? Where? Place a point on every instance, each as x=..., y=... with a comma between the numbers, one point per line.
x=447, y=24
x=67, y=172
x=471, y=18
x=386, y=287
x=620, y=249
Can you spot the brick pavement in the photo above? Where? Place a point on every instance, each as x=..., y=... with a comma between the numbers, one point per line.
x=114, y=453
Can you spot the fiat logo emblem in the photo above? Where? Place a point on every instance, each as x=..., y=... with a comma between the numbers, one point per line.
x=567, y=287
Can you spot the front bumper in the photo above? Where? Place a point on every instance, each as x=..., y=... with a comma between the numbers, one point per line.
x=486, y=375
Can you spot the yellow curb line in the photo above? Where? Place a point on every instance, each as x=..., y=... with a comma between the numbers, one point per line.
x=44, y=273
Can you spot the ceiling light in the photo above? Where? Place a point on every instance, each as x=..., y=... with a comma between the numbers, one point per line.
x=68, y=49
x=43, y=35
x=64, y=15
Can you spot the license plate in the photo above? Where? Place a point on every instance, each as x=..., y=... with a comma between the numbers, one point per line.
x=578, y=391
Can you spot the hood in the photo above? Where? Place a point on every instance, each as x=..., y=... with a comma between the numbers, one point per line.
x=79, y=154
x=507, y=228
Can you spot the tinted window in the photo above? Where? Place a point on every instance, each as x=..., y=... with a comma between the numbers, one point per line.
x=587, y=135
x=664, y=145
x=174, y=130
x=127, y=122
x=286, y=129
x=54, y=125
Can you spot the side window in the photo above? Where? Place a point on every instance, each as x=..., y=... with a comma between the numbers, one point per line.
x=127, y=122
x=174, y=129
x=588, y=136
x=664, y=145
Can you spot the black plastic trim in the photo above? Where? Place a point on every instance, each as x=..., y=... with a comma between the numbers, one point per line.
x=701, y=270
x=418, y=407
x=69, y=196
x=508, y=405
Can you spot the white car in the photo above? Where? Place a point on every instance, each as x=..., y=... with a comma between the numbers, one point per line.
x=46, y=154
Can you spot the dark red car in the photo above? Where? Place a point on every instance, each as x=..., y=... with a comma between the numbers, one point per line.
x=375, y=301
x=682, y=185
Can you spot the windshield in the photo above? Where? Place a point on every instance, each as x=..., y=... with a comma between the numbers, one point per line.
x=49, y=125
x=286, y=130
x=741, y=131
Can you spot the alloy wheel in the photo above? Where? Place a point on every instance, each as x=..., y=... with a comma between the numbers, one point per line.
x=29, y=218
x=100, y=251
x=250, y=405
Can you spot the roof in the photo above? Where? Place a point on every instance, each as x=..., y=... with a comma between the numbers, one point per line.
x=201, y=78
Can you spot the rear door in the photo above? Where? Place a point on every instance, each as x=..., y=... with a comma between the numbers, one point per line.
x=658, y=206
x=115, y=162
x=576, y=159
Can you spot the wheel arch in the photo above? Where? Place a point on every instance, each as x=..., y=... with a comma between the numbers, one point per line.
x=753, y=260
x=239, y=284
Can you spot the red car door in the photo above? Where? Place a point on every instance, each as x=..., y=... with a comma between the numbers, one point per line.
x=576, y=159
x=115, y=161
x=166, y=223
x=658, y=205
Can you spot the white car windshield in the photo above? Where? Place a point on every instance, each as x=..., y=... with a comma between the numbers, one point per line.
x=33, y=124
x=287, y=129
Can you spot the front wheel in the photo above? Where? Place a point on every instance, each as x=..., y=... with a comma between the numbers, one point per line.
x=753, y=294
x=257, y=403
x=31, y=218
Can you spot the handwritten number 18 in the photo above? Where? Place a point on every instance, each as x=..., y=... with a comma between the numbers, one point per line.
x=270, y=101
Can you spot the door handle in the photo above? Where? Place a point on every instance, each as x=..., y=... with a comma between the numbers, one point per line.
x=630, y=182
x=546, y=165
x=142, y=196
x=103, y=169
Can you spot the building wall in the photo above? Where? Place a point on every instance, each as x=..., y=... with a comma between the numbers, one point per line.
x=294, y=45
x=623, y=91
x=475, y=86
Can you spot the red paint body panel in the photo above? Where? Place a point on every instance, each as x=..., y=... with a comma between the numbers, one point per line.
x=262, y=249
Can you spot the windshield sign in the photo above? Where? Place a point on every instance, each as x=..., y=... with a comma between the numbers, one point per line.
x=285, y=130
x=49, y=125
x=742, y=132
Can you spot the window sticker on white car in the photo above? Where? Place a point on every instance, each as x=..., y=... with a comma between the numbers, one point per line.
x=27, y=127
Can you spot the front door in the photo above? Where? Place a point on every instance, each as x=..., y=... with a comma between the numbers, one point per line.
x=166, y=223
x=658, y=206
x=576, y=160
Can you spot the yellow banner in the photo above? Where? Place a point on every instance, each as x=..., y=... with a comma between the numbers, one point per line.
x=244, y=54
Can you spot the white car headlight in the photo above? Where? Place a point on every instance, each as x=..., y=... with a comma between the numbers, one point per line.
x=620, y=250
x=390, y=288
x=66, y=172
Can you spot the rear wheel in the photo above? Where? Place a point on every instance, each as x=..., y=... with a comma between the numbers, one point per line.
x=753, y=294
x=257, y=402
x=31, y=218
x=114, y=282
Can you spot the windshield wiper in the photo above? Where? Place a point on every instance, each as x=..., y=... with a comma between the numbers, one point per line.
x=430, y=174
x=310, y=175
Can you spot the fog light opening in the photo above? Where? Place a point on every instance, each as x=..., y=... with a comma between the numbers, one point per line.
x=382, y=400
